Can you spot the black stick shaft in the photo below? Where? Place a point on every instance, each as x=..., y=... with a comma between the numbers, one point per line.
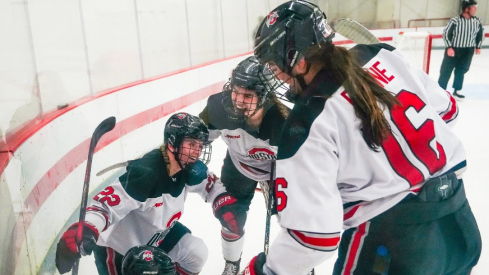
x=271, y=186
x=105, y=126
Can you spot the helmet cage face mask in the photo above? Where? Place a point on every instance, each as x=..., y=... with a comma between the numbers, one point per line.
x=260, y=82
x=183, y=125
x=187, y=150
x=288, y=32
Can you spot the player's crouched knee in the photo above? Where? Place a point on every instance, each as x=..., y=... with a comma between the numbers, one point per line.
x=192, y=254
x=200, y=254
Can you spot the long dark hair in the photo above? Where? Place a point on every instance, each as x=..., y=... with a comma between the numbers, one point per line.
x=364, y=91
x=283, y=110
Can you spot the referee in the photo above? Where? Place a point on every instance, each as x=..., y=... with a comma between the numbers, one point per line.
x=463, y=35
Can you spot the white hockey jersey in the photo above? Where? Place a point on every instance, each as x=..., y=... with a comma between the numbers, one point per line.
x=251, y=150
x=328, y=179
x=142, y=205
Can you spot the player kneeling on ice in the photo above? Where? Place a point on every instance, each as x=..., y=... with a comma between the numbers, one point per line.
x=368, y=148
x=143, y=206
x=249, y=118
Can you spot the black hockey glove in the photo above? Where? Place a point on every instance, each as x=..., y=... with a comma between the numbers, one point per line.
x=67, y=250
x=195, y=173
x=255, y=267
x=230, y=212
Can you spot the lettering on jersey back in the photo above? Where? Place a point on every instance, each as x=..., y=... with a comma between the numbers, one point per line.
x=380, y=74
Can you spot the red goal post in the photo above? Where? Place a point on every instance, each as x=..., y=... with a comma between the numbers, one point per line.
x=416, y=47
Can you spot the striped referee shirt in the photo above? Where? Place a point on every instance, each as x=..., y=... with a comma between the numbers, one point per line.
x=461, y=32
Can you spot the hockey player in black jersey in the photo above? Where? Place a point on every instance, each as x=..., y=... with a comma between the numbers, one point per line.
x=249, y=118
x=143, y=206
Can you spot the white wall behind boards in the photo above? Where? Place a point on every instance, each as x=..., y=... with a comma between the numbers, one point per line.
x=42, y=183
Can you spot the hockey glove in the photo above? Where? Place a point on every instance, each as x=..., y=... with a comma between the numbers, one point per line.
x=255, y=267
x=230, y=212
x=195, y=173
x=67, y=250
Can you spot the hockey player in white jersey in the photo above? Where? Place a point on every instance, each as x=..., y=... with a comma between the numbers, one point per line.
x=143, y=206
x=248, y=118
x=367, y=148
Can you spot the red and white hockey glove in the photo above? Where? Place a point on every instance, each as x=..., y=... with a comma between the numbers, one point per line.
x=67, y=251
x=255, y=267
x=230, y=212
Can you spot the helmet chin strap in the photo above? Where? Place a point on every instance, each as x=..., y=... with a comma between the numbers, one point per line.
x=175, y=155
x=300, y=77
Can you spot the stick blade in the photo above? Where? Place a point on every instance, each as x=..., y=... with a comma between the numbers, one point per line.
x=105, y=126
x=355, y=31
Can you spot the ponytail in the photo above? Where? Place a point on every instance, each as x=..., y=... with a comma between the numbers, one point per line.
x=364, y=91
x=283, y=110
x=165, y=156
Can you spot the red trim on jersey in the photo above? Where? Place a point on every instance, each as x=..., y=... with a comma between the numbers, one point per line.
x=350, y=212
x=314, y=240
x=102, y=212
x=256, y=171
x=453, y=110
x=353, y=252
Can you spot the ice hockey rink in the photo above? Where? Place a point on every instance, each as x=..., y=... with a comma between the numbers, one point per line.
x=472, y=128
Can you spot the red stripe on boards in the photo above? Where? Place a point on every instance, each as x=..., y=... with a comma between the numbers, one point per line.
x=56, y=174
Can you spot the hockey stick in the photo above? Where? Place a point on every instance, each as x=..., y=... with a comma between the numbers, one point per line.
x=105, y=126
x=117, y=165
x=267, y=190
x=355, y=32
x=271, y=186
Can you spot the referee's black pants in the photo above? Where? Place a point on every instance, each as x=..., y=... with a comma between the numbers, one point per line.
x=460, y=62
x=418, y=236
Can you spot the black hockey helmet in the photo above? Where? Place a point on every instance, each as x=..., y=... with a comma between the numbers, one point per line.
x=182, y=125
x=288, y=31
x=468, y=3
x=251, y=75
x=145, y=259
